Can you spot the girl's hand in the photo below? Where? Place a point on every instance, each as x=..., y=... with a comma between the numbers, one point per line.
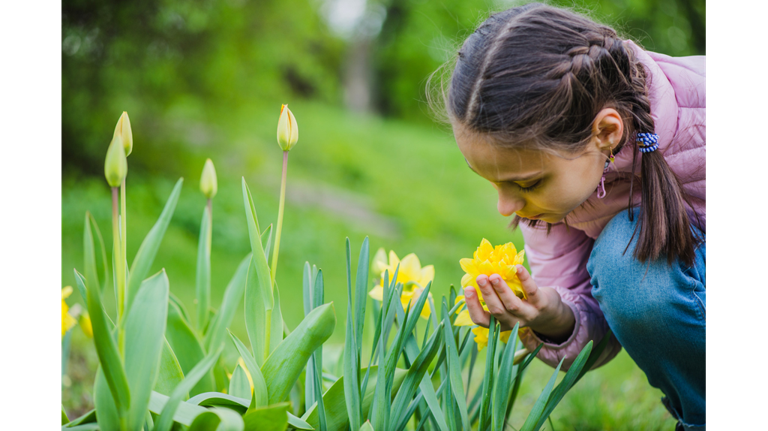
x=543, y=311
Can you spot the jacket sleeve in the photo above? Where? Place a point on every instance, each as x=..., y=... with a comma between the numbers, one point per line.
x=559, y=260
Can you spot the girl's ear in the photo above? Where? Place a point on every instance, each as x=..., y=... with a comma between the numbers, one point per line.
x=608, y=128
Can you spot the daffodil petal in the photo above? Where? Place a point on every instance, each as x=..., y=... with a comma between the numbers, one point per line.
x=65, y=292
x=463, y=319
x=377, y=293
x=427, y=275
x=481, y=337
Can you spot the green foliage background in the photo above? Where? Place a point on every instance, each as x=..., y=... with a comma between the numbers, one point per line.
x=206, y=78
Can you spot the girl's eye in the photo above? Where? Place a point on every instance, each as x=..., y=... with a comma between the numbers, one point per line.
x=530, y=188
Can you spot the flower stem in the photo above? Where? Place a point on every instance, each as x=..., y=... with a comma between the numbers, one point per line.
x=119, y=263
x=123, y=227
x=279, y=217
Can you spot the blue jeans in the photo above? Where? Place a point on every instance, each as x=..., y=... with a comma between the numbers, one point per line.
x=658, y=314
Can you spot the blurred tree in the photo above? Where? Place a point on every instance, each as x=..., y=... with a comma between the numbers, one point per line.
x=417, y=36
x=148, y=57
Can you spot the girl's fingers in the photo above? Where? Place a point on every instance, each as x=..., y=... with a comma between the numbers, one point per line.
x=529, y=286
x=492, y=301
x=511, y=303
x=476, y=312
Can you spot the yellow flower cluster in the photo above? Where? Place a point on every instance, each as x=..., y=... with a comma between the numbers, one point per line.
x=77, y=315
x=489, y=260
x=67, y=321
x=413, y=277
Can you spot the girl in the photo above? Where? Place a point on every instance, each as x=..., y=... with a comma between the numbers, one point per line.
x=598, y=149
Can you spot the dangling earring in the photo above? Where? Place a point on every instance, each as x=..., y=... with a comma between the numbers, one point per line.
x=601, y=187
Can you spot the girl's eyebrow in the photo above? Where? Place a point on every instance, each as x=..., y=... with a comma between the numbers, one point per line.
x=513, y=178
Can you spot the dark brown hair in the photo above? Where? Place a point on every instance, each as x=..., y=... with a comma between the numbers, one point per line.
x=536, y=76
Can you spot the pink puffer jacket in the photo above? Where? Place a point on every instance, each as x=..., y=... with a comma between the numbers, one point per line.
x=677, y=94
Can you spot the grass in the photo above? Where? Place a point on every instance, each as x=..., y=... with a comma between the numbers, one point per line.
x=406, y=186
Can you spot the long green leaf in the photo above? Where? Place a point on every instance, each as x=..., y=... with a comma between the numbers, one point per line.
x=203, y=274
x=538, y=407
x=255, y=314
x=113, y=371
x=493, y=335
x=260, y=396
x=143, y=337
x=583, y=362
x=148, y=249
x=198, y=372
x=185, y=413
x=186, y=345
x=454, y=368
x=361, y=293
x=259, y=297
x=380, y=409
x=239, y=386
x=219, y=419
x=64, y=418
x=316, y=360
x=107, y=411
x=307, y=284
x=170, y=373
x=89, y=417
x=89, y=254
x=416, y=372
x=217, y=332
x=276, y=326
x=284, y=365
x=503, y=384
x=269, y=418
x=208, y=399
x=334, y=401
x=351, y=359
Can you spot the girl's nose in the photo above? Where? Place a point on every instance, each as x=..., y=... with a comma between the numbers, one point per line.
x=508, y=205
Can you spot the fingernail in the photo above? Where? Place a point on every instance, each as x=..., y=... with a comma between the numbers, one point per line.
x=468, y=292
x=481, y=282
x=519, y=268
x=495, y=281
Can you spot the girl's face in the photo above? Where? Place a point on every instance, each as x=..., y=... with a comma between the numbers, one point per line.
x=534, y=184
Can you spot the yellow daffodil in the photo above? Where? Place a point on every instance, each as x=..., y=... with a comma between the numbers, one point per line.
x=489, y=260
x=379, y=263
x=85, y=324
x=67, y=321
x=481, y=336
x=413, y=277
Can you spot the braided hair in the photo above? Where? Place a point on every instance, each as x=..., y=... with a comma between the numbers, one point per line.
x=536, y=76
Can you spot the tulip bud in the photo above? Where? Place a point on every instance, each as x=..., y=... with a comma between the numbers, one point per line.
x=287, y=130
x=115, y=165
x=208, y=184
x=123, y=128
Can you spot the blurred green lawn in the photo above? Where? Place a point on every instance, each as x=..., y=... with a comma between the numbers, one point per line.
x=404, y=185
